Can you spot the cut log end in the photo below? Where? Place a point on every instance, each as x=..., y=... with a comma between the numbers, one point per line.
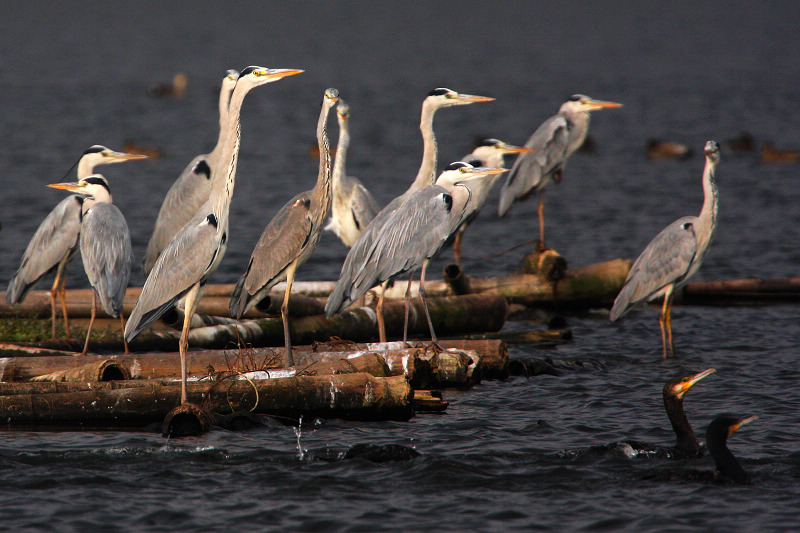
x=546, y=263
x=186, y=420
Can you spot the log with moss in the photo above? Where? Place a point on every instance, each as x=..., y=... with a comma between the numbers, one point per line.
x=354, y=396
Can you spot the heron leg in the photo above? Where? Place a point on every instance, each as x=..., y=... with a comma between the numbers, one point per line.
x=457, y=246
x=666, y=323
x=285, y=313
x=540, y=246
x=190, y=305
x=62, y=292
x=53, y=292
x=407, y=309
x=122, y=324
x=379, y=313
x=434, y=339
x=91, y=323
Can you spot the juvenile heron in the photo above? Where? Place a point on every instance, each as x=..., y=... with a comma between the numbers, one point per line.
x=185, y=265
x=291, y=236
x=551, y=145
x=105, y=243
x=56, y=239
x=673, y=256
x=489, y=153
x=414, y=234
x=190, y=191
x=352, y=207
x=435, y=100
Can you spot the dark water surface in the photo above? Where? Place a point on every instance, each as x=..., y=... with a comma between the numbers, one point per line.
x=506, y=455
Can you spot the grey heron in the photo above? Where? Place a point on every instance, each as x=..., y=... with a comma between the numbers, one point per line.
x=194, y=253
x=291, y=236
x=673, y=256
x=190, y=191
x=105, y=243
x=489, y=153
x=437, y=99
x=551, y=145
x=56, y=239
x=414, y=233
x=353, y=207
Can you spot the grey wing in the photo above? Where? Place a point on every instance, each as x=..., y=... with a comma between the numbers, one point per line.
x=183, y=200
x=55, y=239
x=186, y=261
x=363, y=205
x=107, y=254
x=667, y=259
x=284, y=239
x=416, y=231
x=531, y=170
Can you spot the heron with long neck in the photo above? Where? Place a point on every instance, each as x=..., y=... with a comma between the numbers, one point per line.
x=57, y=238
x=191, y=190
x=426, y=175
x=291, y=236
x=673, y=256
x=194, y=253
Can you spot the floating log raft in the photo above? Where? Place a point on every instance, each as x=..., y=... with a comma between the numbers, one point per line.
x=355, y=396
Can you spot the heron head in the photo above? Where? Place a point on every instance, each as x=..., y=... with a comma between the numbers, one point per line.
x=342, y=110
x=712, y=151
x=580, y=103
x=95, y=186
x=254, y=76
x=462, y=172
x=444, y=97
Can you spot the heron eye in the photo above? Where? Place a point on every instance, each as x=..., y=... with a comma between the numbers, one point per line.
x=463, y=170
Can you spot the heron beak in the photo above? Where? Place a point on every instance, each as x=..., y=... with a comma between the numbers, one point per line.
x=75, y=187
x=122, y=156
x=600, y=104
x=740, y=423
x=278, y=73
x=691, y=380
x=508, y=149
x=471, y=99
x=480, y=172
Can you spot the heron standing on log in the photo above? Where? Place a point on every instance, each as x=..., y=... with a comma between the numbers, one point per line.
x=413, y=235
x=673, y=256
x=106, y=250
x=551, y=145
x=291, y=236
x=352, y=207
x=183, y=268
x=56, y=239
x=435, y=100
x=190, y=191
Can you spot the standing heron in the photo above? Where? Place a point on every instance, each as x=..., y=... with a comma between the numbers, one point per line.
x=414, y=234
x=673, y=256
x=56, y=239
x=353, y=207
x=489, y=153
x=290, y=238
x=435, y=100
x=183, y=268
x=105, y=243
x=191, y=190
x=551, y=145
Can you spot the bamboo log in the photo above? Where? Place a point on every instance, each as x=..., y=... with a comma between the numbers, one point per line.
x=725, y=292
x=105, y=370
x=347, y=396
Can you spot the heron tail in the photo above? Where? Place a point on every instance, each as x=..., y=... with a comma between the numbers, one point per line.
x=239, y=299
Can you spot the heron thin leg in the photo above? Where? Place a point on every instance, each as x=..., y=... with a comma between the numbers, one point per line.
x=189, y=307
x=666, y=323
x=434, y=339
x=285, y=312
x=124, y=340
x=53, y=292
x=91, y=323
x=541, y=246
x=62, y=291
x=407, y=309
x=379, y=313
x=457, y=246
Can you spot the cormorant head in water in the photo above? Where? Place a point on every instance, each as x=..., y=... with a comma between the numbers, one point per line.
x=722, y=427
x=687, y=444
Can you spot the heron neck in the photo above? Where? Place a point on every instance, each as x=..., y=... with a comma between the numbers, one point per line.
x=101, y=196
x=707, y=220
x=223, y=175
x=427, y=170
x=224, y=99
x=578, y=128
x=321, y=195
x=86, y=167
x=341, y=154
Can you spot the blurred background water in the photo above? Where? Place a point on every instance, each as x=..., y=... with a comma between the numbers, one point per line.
x=503, y=456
